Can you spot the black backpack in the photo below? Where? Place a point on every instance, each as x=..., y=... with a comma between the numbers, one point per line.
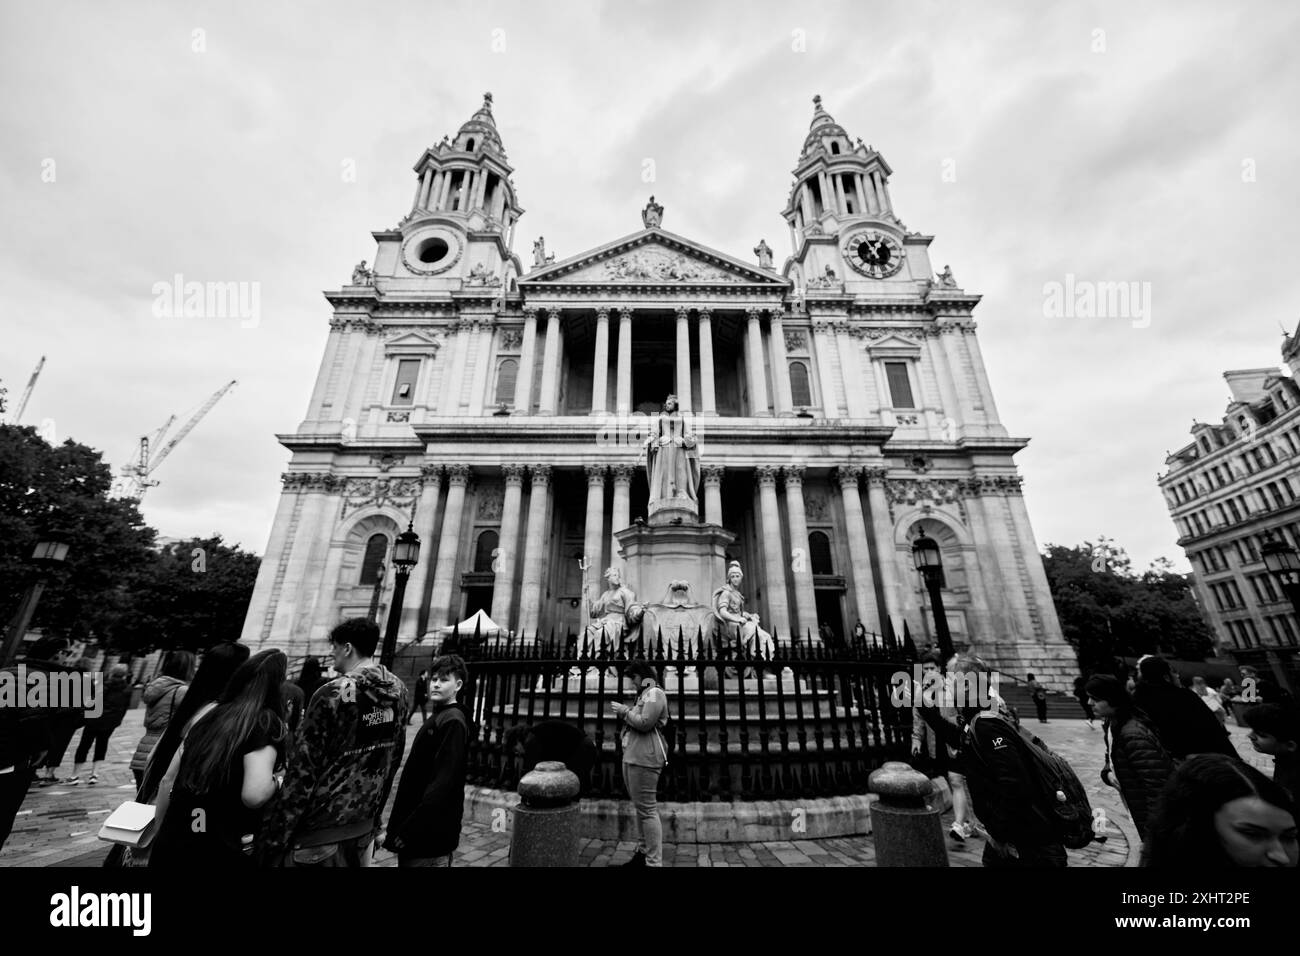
x=1061, y=797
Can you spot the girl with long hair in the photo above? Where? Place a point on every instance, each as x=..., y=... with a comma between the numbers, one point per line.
x=1217, y=812
x=162, y=699
x=1133, y=749
x=226, y=773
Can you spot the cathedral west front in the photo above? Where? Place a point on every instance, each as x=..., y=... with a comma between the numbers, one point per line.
x=837, y=405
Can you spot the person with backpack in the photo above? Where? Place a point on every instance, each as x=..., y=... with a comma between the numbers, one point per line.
x=1029, y=800
x=1141, y=764
x=644, y=757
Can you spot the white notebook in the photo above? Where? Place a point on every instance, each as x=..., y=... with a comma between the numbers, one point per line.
x=131, y=824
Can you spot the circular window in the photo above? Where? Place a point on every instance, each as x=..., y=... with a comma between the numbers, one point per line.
x=433, y=250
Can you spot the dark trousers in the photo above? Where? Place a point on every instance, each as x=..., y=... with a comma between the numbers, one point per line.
x=13, y=789
x=96, y=734
x=1041, y=707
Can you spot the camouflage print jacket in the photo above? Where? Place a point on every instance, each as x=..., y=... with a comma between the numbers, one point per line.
x=343, y=760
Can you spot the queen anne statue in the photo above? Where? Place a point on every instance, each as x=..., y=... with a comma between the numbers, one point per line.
x=672, y=462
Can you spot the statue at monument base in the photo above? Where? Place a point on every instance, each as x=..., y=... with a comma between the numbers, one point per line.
x=612, y=612
x=737, y=628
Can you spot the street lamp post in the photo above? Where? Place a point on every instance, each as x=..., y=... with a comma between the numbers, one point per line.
x=406, y=555
x=1284, y=564
x=926, y=557
x=48, y=554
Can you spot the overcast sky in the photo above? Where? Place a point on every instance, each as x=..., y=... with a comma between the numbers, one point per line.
x=1113, y=142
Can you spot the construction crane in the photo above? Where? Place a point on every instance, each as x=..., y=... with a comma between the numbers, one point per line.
x=27, y=393
x=139, y=474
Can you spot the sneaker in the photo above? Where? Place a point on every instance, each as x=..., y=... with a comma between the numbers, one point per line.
x=70, y=782
x=638, y=859
x=958, y=832
x=94, y=779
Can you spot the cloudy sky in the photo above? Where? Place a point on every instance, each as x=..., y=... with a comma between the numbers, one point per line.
x=1112, y=142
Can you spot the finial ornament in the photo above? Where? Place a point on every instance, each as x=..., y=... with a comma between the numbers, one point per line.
x=487, y=101
x=817, y=101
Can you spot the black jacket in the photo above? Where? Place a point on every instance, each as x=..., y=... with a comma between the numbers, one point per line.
x=1002, y=786
x=1142, y=766
x=430, y=799
x=28, y=733
x=1182, y=721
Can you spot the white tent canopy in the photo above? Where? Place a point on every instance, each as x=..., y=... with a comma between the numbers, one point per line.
x=486, y=628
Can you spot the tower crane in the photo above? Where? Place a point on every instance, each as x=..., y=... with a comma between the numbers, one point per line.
x=139, y=474
x=27, y=392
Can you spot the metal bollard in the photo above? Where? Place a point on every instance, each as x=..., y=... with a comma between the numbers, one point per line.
x=906, y=831
x=545, y=831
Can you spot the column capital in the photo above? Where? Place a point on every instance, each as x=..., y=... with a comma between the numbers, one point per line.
x=514, y=474
x=458, y=475
x=776, y=316
x=431, y=473
x=624, y=313
x=847, y=475
x=530, y=313
x=821, y=326
x=754, y=313
x=766, y=475
x=706, y=314
x=712, y=473
x=793, y=475
x=602, y=313
x=622, y=473
x=595, y=475
x=875, y=475
x=541, y=475
x=682, y=312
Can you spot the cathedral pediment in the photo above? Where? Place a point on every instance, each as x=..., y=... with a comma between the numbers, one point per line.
x=651, y=257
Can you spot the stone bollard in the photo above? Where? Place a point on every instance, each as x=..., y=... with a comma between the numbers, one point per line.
x=545, y=831
x=905, y=830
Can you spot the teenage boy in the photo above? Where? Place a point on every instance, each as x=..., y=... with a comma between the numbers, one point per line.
x=1275, y=730
x=424, y=827
x=343, y=761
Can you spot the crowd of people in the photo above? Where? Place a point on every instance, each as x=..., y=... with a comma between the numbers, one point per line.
x=246, y=768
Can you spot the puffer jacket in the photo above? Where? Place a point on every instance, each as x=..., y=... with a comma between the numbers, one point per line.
x=343, y=761
x=1142, y=765
x=643, y=744
x=161, y=698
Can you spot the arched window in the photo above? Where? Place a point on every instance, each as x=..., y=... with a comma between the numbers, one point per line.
x=507, y=372
x=819, y=546
x=487, y=543
x=469, y=145
x=376, y=550
x=835, y=148
x=800, y=389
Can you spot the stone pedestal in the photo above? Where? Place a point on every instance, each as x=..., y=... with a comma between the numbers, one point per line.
x=545, y=831
x=904, y=824
x=658, y=554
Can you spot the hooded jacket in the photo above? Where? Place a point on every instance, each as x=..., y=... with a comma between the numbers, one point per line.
x=430, y=802
x=343, y=760
x=1142, y=766
x=1182, y=721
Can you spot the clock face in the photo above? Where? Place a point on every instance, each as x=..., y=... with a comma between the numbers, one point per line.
x=874, y=254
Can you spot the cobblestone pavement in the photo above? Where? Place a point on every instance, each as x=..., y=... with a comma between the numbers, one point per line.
x=57, y=825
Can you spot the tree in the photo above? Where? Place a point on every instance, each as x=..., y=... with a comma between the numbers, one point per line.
x=64, y=490
x=1107, y=610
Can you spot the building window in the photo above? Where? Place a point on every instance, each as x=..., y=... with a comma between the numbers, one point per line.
x=408, y=370
x=900, y=387
x=819, y=548
x=1254, y=631
x=507, y=373
x=487, y=543
x=376, y=549
x=800, y=387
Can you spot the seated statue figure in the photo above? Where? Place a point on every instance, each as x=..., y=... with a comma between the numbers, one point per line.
x=734, y=623
x=609, y=612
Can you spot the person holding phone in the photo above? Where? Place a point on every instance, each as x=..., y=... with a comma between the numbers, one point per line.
x=644, y=758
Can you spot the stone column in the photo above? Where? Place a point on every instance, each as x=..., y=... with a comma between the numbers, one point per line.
x=480, y=187
x=594, y=533
x=622, y=517
x=444, y=572
x=823, y=343
x=873, y=200
x=708, y=398
x=425, y=513
x=363, y=359
x=959, y=373
x=754, y=363
x=257, y=622
x=856, y=382
x=987, y=565
x=535, y=547
x=805, y=595
x=841, y=206
x=600, y=363
x=864, y=589
x=463, y=204
x=624, y=388
x=527, y=358
x=550, y=364
x=780, y=366
x=684, y=360
x=325, y=615
x=1040, y=594
x=882, y=527
x=456, y=373
x=320, y=395
x=422, y=189
x=1018, y=624
x=503, y=581
x=951, y=407
x=981, y=375
x=778, y=605
x=712, y=476
x=480, y=383
x=857, y=186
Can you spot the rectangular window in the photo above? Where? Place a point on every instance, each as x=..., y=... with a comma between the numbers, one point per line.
x=1252, y=630
x=900, y=388
x=408, y=371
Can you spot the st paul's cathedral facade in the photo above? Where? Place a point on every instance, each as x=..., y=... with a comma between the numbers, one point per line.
x=499, y=406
